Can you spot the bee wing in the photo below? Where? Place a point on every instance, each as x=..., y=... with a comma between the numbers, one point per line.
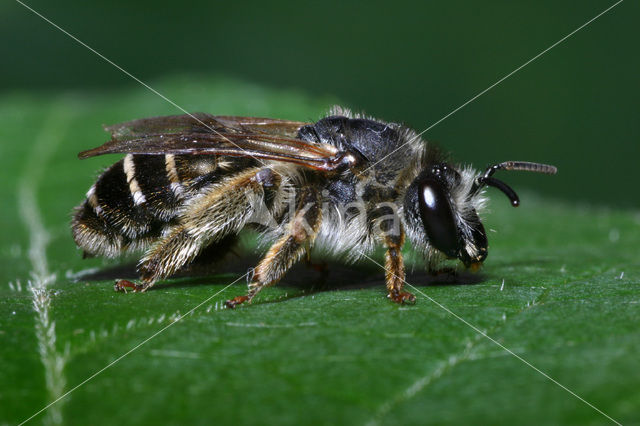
x=259, y=138
x=263, y=125
x=200, y=122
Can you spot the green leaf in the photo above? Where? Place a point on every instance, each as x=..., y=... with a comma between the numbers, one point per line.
x=559, y=290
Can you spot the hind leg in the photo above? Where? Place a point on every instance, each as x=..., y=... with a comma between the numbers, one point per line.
x=164, y=259
x=223, y=211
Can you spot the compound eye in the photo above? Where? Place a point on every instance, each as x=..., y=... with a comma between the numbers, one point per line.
x=437, y=217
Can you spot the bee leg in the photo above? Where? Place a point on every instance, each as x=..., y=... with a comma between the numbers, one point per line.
x=222, y=211
x=288, y=249
x=394, y=267
x=207, y=256
x=232, y=303
x=123, y=285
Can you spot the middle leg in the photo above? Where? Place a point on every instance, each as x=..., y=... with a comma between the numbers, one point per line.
x=298, y=237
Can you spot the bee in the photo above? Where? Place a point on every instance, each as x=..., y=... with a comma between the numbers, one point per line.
x=346, y=184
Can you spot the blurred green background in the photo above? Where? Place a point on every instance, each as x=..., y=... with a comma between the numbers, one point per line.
x=575, y=107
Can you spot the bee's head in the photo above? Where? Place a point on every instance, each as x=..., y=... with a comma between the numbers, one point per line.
x=441, y=207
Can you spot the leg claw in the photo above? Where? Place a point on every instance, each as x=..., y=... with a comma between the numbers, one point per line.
x=236, y=301
x=402, y=297
x=123, y=285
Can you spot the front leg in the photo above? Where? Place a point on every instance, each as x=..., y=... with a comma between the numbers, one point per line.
x=300, y=233
x=394, y=267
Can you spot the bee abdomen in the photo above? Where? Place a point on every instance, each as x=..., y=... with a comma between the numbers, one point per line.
x=93, y=234
x=156, y=180
x=135, y=199
x=128, y=205
x=117, y=198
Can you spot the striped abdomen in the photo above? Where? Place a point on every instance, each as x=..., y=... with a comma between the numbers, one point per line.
x=134, y=200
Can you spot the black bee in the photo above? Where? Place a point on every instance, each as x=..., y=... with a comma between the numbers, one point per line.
x=346, y=183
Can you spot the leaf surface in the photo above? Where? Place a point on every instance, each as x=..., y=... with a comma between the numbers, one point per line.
x=560, y=289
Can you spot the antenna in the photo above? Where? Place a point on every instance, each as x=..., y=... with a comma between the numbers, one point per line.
x=486, y=178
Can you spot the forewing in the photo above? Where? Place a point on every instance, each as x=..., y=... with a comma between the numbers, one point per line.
x=200, y=122
x=271, y=126
x=197, y=134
